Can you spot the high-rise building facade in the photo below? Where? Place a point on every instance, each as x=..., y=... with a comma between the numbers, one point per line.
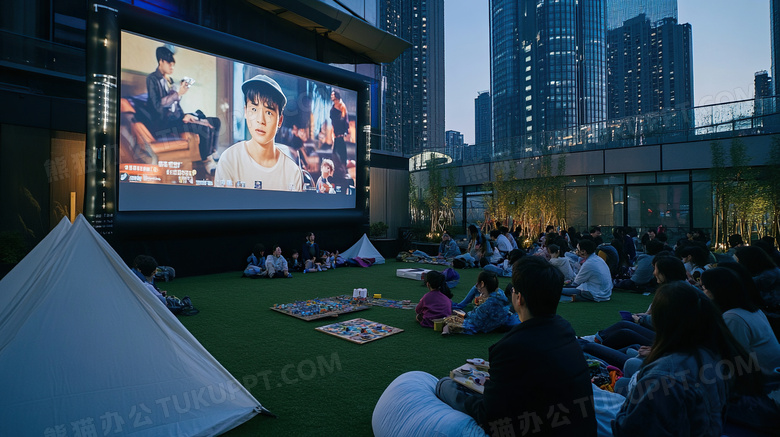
x=413, y=85
x=650, y=67
x=453, y=144
x=774, y=11
x=483, y=116
x=548, y=69
x=763, y=84
x=619, y=11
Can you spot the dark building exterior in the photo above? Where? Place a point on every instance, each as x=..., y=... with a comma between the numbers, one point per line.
x=454, y=144
x=548, y=69
x=619, y=11
x=763, y=84
x=650, y=67
x=483, y=117
x=413, y=85
x=44, y=88
x=774, y=8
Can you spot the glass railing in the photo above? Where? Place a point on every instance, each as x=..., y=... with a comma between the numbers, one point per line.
x=724, y=120
x=41, y=55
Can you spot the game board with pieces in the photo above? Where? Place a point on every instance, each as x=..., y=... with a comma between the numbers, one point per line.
x=472, y=375
x=319, y=308
x=359, y=330
x=389, y=303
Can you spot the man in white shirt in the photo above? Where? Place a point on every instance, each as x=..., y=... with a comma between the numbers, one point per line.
x=593, y=282
x=259, y=162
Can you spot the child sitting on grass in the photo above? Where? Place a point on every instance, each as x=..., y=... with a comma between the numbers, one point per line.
x=436, y=303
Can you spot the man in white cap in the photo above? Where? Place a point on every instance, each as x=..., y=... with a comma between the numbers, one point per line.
x=258, y=162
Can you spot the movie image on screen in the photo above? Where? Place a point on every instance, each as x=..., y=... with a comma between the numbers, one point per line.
x=203, y=132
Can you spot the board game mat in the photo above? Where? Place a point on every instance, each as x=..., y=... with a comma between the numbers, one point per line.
x=390, y=303
x=319, y=308
x=359, y=331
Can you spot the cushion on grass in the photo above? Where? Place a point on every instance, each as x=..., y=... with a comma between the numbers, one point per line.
x=409, y=407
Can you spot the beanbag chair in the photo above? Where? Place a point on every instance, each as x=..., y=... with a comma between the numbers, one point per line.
x=409, y=407
x=607, y=404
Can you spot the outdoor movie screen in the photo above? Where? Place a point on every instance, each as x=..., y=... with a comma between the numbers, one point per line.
x=203, y=132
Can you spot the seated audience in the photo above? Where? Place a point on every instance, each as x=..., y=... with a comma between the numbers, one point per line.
x=642, y=279
x=502, y=244
x=276, y=265
x=491, y=309
x=595, y=232
x=255, y=267
x=677, y=390
x=697, y=260
x=310, y=252
x=593, y=283
x=766, y=274
x=436, y=303
x=561, y=263
x=448, y=249
x=147, y=267
x=536, y=369
x=767, y=244
x=505, y=231
x=735, y=241
x=505, y=268
x=295, y=263
x=751, y=329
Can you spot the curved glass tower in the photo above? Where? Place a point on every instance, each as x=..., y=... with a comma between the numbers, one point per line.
x=548, y=69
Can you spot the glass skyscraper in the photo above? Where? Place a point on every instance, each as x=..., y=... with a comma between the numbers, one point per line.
x=650, y=67
x=548, y=69
x=482, y=118
x=619, y=11
x=413, y=84
x=774, y=8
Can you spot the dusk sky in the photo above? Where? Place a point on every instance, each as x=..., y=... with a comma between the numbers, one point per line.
x=730, y=43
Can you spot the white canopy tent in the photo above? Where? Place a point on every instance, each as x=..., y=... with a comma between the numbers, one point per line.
x=86, y=349
x=364, y=249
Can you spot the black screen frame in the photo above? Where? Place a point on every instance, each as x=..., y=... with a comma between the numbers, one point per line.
x=145, y=23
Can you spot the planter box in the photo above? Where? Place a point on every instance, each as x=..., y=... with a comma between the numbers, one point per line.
x=387, y=247
x=431, y=249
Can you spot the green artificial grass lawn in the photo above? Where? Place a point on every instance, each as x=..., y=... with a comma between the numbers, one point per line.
x=318, y=384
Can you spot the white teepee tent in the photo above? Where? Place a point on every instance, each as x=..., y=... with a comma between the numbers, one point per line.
x=364, y=249
x=86, y=349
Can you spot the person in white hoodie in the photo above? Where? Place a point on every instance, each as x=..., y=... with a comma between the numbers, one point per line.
x=594, y=282
x=561, y=263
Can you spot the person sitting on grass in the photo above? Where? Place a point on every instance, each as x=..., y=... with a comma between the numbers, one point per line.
x=295, y=263
x=594, y=282
x=505, y=268
x=436, y=303
x=255, y=267
x=751, y=329
x=537, y=370
x=277, y=265
x=491, y=309
x=686, y=380
x=561, y=263
x=642, y=279
x=147, y=267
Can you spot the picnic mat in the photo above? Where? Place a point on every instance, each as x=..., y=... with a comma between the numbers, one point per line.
x=319, y=308
x=359, y=330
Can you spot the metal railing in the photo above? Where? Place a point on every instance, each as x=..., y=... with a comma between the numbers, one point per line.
x=717, y=121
